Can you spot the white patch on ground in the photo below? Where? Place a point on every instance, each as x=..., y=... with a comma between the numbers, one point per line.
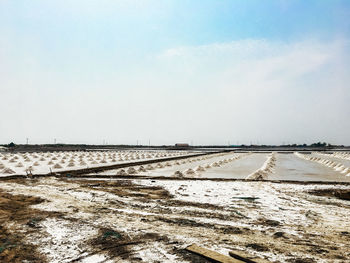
x=96, y=259
x=158, y=252
x=64, y=241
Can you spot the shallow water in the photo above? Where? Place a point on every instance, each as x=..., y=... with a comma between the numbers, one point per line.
x=238, y=169
x=291, y=167
x=287, y=167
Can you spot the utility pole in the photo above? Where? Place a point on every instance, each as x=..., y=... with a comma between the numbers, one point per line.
x=27, y=140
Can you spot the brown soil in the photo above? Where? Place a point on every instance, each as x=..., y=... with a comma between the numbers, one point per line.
x=340, y=194
x=164, y=220
x=15, y=208
x=119, y=244
x=126, y=188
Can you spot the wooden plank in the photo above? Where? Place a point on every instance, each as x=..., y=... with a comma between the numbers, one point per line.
x=245, y=257
x=212, y=255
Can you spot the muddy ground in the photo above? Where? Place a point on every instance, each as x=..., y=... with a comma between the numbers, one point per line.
x=68, y=220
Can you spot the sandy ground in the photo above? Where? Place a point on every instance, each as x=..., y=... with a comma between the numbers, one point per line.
x=61, y=220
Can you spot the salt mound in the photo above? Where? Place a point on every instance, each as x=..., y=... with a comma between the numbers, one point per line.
x=340, y=168
x=131, y=170
x=200, y=169
x=70, y=164
x=121, y=172
x=258, y=175
x=167, y=164
x=264, y=171
x=208, y=166
x=215, y=164
x=345, y=171
x=159, y=165
x=178, y=174
x=8, y=171
x=149, y=167
x=57, y=166
x=190, y=171
x=142, y=169
x=103, y=161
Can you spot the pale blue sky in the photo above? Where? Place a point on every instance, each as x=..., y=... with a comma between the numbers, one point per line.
x=175, y=71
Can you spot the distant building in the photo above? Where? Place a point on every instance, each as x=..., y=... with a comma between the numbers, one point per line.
x=182, y=145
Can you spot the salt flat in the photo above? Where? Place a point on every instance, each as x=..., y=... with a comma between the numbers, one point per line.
x=151, y=213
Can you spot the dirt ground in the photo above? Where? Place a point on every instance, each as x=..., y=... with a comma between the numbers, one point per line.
x=68, y=220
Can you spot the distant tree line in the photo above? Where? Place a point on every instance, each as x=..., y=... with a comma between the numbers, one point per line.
x=89, y=146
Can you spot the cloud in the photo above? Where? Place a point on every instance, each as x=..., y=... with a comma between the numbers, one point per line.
x=268, y=90
x=299, y=57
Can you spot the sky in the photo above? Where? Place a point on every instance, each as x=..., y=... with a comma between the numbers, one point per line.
x=175, y=71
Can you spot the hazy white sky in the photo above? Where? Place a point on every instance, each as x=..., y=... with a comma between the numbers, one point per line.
x=210, y=72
